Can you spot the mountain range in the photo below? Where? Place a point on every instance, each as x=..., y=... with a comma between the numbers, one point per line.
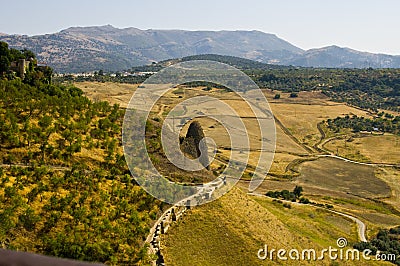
x=81, y=49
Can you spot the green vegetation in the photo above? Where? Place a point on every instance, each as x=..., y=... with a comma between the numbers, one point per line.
x=68, y=191
x=386, y=242
x=277, y=96
x=293, y=196
x=366, y=204
x=230, y=231
x=366, y=88
x=33, y=75
x=389, y=124
x=65, y=189
x=286, y=194
x=240, y=63
x=370, y=89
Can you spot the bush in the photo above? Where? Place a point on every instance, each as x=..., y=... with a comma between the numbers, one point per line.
x=287, y=205
x=304, y=200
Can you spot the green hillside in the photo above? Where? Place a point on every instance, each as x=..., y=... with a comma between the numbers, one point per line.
x=65, y=189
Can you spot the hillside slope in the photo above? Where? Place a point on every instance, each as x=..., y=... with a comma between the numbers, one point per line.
x=92, y=48
x=80, y=49
x=334, y=56
x=231, y=230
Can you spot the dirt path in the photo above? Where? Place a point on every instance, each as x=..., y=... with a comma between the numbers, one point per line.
x=53, y=167
x=319, y=147
x=355, y=162
x=290, y=135
x=360, y=225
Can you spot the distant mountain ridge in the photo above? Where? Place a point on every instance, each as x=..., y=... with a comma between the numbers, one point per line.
x=80, y=49
x=334, y=56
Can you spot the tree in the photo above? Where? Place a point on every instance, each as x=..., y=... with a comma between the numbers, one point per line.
x=4, y=49
x=277, y=96
x=28, y=54
x=297, y=191
x=4, y=64
x=173, y=215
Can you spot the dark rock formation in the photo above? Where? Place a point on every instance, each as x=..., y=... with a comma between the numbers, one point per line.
x=191, y=145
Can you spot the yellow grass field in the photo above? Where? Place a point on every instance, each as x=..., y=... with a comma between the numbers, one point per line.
x=114, y=93
x=231, y=230
x=374, y=148
x=335, y=174
x=302, y=119
x=392, y=178
x=285, y=144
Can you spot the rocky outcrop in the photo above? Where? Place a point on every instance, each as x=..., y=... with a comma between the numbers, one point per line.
x=192, y=146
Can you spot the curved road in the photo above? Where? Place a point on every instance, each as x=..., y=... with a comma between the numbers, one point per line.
x=355, y=162
x=360, y=225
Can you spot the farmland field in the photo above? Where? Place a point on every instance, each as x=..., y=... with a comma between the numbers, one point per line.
x=373, y=148
x=302, y=119
x=114, y=93
x=239, y=220
x=337, y=175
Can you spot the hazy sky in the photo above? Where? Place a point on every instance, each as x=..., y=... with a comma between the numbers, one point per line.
x=364, y=25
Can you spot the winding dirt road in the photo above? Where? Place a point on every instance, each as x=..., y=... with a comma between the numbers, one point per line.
x=361, y=227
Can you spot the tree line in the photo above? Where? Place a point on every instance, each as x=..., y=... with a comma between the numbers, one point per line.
x=385, y=123
x=386, y=242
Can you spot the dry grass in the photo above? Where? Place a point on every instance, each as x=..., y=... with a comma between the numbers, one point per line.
x=114, y=93
x=337, y=175
x=94, y=154
x=219, y=134
x=279, y=164
x=304, y=97
x=231, y=230
x=286, y=147
x=286, y=144
x=392, y=178
x=374, y=148
x=302, y=119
